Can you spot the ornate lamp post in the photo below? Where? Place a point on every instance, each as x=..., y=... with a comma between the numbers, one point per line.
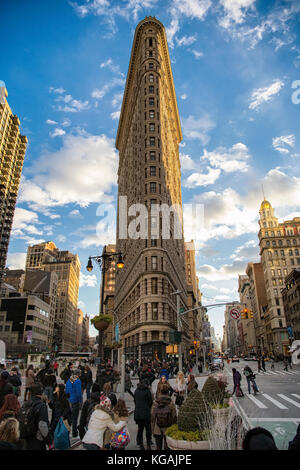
x=104, y=262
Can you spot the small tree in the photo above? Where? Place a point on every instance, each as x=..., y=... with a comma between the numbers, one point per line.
x=214, y=391
x=193, y=413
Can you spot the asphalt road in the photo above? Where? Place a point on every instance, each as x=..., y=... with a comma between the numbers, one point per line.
x=277, y=405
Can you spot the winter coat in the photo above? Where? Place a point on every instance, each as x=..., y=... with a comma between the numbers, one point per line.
x=159, y=385
x=162, y=400
x=180, y=386
x=30, y=379
x=143, y=402
x=128, y=383
x=89, y=404
x=236, y=378
x=60, y=407
x=5, y=389
x=191, y=386
x=49, y=380
x=295, y=443
x=42, y=436
x=74, y=391
x=101, y=419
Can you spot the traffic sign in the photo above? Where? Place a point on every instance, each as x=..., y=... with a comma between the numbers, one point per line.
x=235, y=313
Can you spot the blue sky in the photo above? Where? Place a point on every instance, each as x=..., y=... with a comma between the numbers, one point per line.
x=234, y=62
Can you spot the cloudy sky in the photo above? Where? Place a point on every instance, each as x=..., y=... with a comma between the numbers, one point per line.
x=236, y=67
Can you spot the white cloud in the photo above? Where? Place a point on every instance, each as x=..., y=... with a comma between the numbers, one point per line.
x=57, y=132
x=202, y=179
x=225, y=272
x=24, y=224
x=235, y=11
x=75, y=213
x=16, y=260
x=279, y=142
x=229, y=160
x=184, y=96
x=61, y=238
x=87, y=280
x=56, y=90
x=192, y=9
x=186, y=40
x=115, y=115
x=99, y=94
x=114, y=68
x=93, y=161
x=249, y=251
x=52, y=123
x=194, y=128
x=186, y=162
x=70, y=105
x=262, y=95
x=197, y=54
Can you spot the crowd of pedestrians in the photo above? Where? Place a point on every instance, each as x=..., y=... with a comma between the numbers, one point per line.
x=57, y=406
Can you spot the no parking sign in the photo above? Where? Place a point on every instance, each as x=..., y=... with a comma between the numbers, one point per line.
x=235, y=313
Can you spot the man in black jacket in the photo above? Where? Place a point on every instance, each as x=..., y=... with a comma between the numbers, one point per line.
x=42, y=435
x=5, y=387
x=142, y=414
x=88, y=408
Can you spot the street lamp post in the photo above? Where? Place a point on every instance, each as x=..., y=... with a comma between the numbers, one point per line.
x=104, y=262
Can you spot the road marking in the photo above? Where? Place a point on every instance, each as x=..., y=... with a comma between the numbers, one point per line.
x=292, y=372
x=275, y=402
x=257, y=402
x=280, y=372
x=271, y=372
x=289, y=399
x=295, y=395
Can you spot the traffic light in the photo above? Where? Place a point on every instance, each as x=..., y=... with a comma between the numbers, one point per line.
x=250, y=314
x=244, y=314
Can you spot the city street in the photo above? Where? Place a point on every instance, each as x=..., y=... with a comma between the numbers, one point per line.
x=277, y=405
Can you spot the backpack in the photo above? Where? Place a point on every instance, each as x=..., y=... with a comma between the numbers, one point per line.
x=27, y=420
x=90, y=411
x=61, y=436
x=120, y=439
x=163, y=415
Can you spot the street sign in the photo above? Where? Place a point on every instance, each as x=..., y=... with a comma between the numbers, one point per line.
x=235, y=313
x=181, y=310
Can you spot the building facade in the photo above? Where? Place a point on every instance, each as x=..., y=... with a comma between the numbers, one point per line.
x=279, y=250
x=12, y=153
x=248, y=329
x=24, y=323
x=291, y=303
x=66, y=265
x=148, y=140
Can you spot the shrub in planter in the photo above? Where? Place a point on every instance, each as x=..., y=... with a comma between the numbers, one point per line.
x=193, y=413
x=176, y=434
x=99, y=321
x=213, y=391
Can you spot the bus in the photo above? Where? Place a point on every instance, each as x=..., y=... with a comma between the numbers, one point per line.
x=74, y=355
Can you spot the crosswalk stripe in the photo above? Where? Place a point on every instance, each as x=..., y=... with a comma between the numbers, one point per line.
x=289, y=400
x=292, y=372
x=271, y=372
x=275, y=402
x=257, y=402
x=280, y=372
x=295, y=395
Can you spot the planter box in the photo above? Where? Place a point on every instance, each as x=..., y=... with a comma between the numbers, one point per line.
x=101, y=325
x=221, y=416
x=173, y=444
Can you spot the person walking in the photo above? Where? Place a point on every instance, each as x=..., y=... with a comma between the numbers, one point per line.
x=36, y=430
x=60, y=407
x=29, y=381
x=89, y=380
x=101, y=419
x=191, y=383
x=6, y=388
x=49, y=383
x=66, y=373
x=128, y=383
x=88, y=408
x=163, y=415
x=142, y=414
x=180, y=389
x=15, y=381
x=237, y=383
x=263, y=364
x=10, y=408
x=73, y=388
x=285, y=362
x=55, y=368
x=163, y=382
x=250, y=379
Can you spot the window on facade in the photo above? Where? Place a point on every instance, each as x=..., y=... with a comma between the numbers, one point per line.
x=154, y=263
x=151, y=66
x=151, y=101
x=154, y=285
x=151, y=114
x=151, y=78
x=153, y=242
x=152, y=187
x=152, y=170
x=274, y=242
x=152, y=156
x=151, y=89
x=154, y=307
x=152, y=141
x=150, y=42
x=150, y=53
x=151, y=127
